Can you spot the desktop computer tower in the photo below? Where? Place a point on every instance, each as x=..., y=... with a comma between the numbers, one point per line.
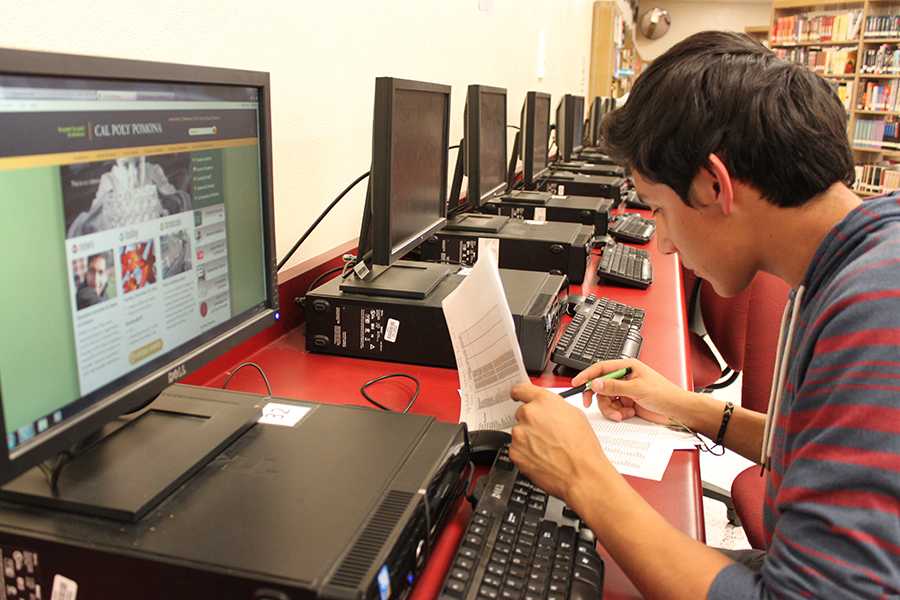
x=415, y=331
x=328, y=508
x=560, y=182
x=586, y=210
x=548, y=247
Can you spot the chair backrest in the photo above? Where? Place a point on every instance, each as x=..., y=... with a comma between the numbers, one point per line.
x=767, y=298
x=725, y=320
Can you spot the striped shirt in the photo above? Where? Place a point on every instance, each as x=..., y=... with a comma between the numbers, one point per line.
x=832, y=503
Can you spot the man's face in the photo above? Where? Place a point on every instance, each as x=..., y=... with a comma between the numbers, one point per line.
x=702, y=236
x=96, y=274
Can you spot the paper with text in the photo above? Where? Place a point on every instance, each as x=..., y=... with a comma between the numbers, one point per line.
x=487, y=352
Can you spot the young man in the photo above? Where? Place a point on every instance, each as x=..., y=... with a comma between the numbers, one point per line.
x=745, y=162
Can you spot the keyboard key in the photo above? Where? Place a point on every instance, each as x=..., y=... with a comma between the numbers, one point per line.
x=461, y=574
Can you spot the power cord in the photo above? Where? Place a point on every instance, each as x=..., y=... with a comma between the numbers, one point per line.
x=231, y=374
x=370, y=400
x=334, y=202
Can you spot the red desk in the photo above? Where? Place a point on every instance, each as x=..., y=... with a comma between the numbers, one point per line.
x=294, y=373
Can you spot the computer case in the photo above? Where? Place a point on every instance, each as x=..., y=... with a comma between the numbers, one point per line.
x=384, y=328
x=560, y=182
x=588, y=168
x=548, y=247
x=329, y=508
x=586, y=210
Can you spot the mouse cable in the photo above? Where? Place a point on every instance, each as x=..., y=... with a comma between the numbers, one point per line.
x=334, y=202
x=370, y=400
x=231, y=374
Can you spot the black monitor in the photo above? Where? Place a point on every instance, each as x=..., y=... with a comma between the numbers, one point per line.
x=485, y=143
x=598, y=109
x=535, y=132
x=138, y=244
x=569, y=126
x=406, y=202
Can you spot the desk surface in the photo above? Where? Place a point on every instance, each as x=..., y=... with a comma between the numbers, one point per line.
x=294, y=373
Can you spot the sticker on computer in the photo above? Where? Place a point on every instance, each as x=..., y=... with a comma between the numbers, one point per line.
x=540, y=214
x=286, y=415
x=390, y=331
x=486, y=245
x=561, y=190
x=63, y=588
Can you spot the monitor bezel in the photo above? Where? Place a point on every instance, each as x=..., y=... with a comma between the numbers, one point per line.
x=527, y=126
x=475, y=196
x=577, y=116
x=383, y=253
x=596, y=117
x=134, y=393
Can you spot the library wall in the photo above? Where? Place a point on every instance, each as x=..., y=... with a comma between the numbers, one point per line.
x=691, y=17
x=323, y=58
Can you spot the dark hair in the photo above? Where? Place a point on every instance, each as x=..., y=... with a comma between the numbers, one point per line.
x=776, y=125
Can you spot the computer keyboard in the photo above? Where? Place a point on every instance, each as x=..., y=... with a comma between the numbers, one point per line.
x=602, y=329
x=632, y=227
x=522, y=543
x=632, y=200
x=626, y=266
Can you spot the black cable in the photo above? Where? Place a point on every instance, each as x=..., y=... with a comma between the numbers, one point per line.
x=322, y=276
x=514, y=127
x=415, y=396
x=452, y=147
x=231, y=374
x=334, y=202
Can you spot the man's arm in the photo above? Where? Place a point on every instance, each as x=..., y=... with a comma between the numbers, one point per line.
x=648, y=394
x=554, y=445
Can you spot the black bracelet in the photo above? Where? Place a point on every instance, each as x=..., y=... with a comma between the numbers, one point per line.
x=726, y=416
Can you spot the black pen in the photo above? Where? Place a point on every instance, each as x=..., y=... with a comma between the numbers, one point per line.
x=619, y=374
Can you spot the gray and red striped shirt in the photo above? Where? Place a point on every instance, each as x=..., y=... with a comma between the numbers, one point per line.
x=832, y=504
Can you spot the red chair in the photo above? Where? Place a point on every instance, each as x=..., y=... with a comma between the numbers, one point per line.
x=767, y=298
x=724, y=320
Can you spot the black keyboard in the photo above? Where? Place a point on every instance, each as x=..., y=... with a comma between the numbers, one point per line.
x=602, y=329
x=626, y=266
x=523, y=544
x=632, y=200
x=632, y=227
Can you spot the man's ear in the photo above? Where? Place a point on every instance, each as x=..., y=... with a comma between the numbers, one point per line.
x=722, y=186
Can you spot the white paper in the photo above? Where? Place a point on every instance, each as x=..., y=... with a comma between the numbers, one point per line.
x=286, y=415
x=634, y=446
x=489, y=247
x=63, y=588
x=487, y=352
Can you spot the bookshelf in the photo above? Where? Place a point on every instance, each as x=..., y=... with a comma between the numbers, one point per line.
x=615, y=62
x=855, y=45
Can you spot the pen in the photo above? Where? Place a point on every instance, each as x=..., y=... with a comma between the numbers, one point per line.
x=619, y=374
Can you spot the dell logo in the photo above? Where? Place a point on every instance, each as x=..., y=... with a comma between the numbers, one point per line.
x=177, y=373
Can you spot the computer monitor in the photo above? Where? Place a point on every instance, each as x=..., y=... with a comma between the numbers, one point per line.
x=569, y=126
x=406, y=202
x=535, y=132
x=598, y=109
x=137, y=238
x=485, y=143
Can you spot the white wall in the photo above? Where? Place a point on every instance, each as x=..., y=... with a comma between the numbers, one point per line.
x=691, y=17
x=323, y=58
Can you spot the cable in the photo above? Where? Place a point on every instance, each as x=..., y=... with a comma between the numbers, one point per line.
x=322, y=276
x=514, y=127
x=334, y=202
x=415, y=396
x=452, y=147
x=248, y=364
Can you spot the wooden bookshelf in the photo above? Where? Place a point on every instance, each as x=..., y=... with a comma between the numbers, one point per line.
x=615, y=61
x=864, y=153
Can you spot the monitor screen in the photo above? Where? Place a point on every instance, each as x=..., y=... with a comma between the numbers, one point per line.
x=541, y=132
x=578, y=123
x=418, y=164
x=492, y=142
x=596, y=117
x=136, y=234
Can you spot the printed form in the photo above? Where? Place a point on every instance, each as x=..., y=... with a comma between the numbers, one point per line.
x=487, y=352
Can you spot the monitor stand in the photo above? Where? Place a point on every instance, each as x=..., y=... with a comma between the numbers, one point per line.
x=136, y=465
x=476, y=222
x=403, y=279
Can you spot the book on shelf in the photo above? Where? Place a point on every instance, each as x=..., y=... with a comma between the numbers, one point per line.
x=877, y=133
x=884, y=60
x=820, y=26
x=880, y=96
x=877, y=178
x=829, y=61
x=882, y=26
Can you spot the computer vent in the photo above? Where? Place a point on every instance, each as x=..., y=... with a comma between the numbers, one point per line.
x=358, y=561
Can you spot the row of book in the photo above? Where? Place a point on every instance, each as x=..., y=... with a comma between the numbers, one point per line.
x=881, y=133
x=833, y=26
x=844, y=90
x=875, y=179
x=824, y=61
x=879, y=95
x=882, y=26
x=883, y=60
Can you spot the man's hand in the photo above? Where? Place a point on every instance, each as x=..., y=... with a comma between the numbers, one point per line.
x=553, y=443
x=643, y=392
